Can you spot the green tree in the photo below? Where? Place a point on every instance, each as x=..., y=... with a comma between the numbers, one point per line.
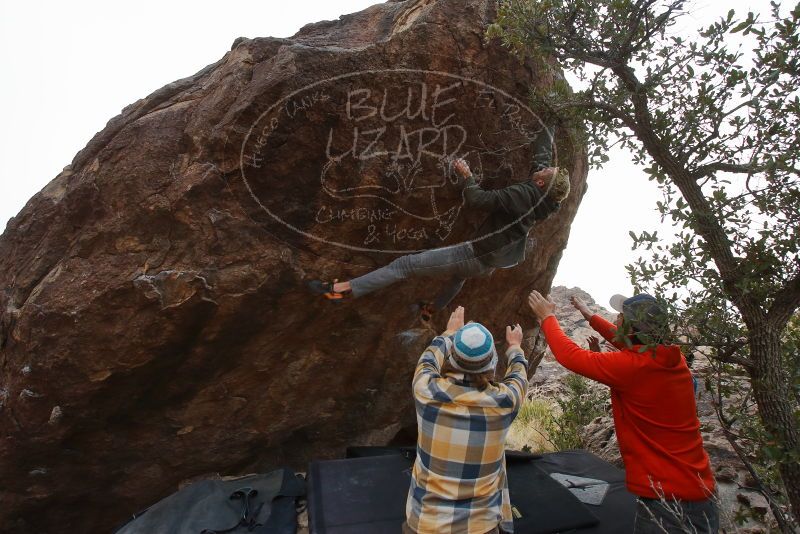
x=715, y=121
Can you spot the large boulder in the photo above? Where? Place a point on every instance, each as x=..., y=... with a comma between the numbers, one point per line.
x=154, y=322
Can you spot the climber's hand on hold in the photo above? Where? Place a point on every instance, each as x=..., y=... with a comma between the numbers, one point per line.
x=456, y=320
x=514, y=335
x=462, y=168
x=542, y=307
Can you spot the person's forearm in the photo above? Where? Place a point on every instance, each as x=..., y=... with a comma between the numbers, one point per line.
x=566, y=351
x=432, y=359
x=605, y=329
x=476, y=197
x=542, y=148
x=516, y=377
x=515, y=353
x=587, y=314
x=610, y=368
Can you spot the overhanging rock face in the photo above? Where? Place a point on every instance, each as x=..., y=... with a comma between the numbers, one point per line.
x=154, y=323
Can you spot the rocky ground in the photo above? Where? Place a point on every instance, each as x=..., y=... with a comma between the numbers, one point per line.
x=733, y=481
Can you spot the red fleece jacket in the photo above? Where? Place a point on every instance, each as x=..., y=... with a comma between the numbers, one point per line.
x=655, y=416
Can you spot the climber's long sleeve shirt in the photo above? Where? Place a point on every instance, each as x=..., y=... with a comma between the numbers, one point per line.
x=500, y=239
x=459, y=483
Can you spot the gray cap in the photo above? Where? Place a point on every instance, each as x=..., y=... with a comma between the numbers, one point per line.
x=643, y=312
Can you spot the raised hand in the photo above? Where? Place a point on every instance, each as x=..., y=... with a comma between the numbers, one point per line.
x=456, y=320
x=581, y=307
x=514, y=335
x=594, y=344
x=541, y=307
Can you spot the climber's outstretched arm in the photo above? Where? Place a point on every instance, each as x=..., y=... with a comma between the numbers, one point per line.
x=542, y=149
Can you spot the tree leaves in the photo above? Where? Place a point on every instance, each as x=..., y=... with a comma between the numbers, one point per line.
x=717, y=129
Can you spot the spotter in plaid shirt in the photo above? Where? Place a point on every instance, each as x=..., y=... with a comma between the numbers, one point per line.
x=459, y=478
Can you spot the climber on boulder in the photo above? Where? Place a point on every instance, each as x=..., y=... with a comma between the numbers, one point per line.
x=500, y=241
x=458, y=483
x=653, y=403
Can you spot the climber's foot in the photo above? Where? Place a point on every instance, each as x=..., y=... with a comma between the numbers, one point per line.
x=326, y=290
x=426, y=311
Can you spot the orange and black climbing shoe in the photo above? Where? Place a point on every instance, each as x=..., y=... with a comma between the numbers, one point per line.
x=326, y=290
x=426, y=311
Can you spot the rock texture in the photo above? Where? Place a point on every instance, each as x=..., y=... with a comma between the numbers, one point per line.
x=153, y=320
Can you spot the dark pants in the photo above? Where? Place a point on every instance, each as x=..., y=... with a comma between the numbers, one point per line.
x=542, y=149
x=654, y=516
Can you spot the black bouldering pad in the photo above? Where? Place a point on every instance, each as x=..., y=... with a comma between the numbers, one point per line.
x=367, y=493
x=618, y=509
x=358, y=495
x=542, y=505
x=368, y=452
x=210, y=506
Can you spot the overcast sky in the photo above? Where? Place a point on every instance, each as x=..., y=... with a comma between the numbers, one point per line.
x=69, y=67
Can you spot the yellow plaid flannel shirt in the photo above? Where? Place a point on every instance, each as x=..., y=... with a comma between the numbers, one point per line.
x=459, y=483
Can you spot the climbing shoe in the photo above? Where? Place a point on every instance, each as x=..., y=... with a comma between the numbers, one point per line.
x=326, y=290
x=426, y=311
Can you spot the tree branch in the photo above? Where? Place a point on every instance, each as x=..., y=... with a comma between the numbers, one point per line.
x=785, y=304
x=592, y=104
x=726, y=353
x=719, y=166
x=707, y=225
x=634, y=22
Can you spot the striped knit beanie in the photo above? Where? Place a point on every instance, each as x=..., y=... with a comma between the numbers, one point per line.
x=473, y=349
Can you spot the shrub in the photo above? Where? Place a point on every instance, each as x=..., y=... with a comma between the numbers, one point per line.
x=527, y=431
x=579, y=406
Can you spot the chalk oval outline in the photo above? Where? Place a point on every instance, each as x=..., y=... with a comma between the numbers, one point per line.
x=377, y=71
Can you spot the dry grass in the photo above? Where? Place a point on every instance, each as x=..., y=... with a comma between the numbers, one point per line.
x=528, y=429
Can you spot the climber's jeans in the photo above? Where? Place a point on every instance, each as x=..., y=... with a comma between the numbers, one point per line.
x=456, y=264
x=657, y=516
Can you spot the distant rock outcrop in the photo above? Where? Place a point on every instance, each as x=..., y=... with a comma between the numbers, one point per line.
x=154, y=325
